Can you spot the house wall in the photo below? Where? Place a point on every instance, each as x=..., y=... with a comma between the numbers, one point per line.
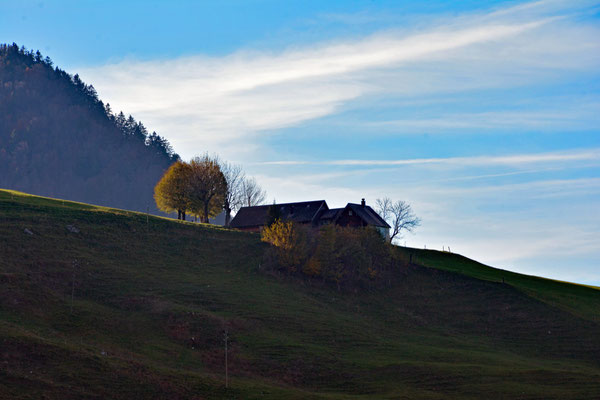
x=322, y=222
x=354, y=221
x=384, y=232
x=350, y=220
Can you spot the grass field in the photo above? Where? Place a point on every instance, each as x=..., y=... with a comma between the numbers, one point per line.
x=101, y=303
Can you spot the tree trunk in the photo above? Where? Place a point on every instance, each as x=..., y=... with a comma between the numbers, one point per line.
x=183, y=215
x=227, y=216
x=205, y=216
x=178, y=214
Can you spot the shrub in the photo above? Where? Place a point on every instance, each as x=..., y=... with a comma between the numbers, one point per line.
x=344, y=256
x=290, y=244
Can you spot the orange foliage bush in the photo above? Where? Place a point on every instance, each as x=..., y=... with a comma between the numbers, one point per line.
x=347, y=257
x=290, y=243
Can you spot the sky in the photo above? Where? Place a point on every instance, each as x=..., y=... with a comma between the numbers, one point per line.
x=484, y=116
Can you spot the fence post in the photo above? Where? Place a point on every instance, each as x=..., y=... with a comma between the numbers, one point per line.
x=226, y=337
x=73, y=285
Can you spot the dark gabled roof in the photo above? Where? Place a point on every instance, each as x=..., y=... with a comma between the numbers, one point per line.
x=367, y=214
x=330, y=214
x=302, y=212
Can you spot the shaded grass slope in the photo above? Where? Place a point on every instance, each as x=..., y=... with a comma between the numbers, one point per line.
x=104, y=303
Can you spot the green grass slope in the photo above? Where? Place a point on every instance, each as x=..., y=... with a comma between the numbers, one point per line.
x=575, y=298
x=101, y=303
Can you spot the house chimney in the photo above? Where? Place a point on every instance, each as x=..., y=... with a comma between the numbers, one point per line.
x=362, y=202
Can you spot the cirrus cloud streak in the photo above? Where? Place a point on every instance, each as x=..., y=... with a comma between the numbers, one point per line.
x=207, y=103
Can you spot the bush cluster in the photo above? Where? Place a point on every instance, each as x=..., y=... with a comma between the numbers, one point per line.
x=347, y=257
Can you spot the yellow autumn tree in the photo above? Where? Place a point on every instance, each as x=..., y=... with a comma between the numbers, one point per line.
x=291, y=241
x=208, y=187
x=172, y=192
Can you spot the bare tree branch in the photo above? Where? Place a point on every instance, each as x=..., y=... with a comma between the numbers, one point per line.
x=234, y=197
x=383, y=207
x=399, y=215
x=253, y=194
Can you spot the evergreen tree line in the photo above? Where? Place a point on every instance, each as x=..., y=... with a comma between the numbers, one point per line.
x=58, y=139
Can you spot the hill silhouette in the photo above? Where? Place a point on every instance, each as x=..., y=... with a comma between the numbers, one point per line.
x=58, y=139
x=105, y=303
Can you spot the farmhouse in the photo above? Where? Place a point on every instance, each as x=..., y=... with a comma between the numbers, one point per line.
x=313, y=213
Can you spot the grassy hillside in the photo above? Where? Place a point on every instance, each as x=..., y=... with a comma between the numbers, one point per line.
x=103, y=303
x=571, y=297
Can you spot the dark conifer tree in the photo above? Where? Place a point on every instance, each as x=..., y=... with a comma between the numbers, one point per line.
x=120, y=121
x=108, y=111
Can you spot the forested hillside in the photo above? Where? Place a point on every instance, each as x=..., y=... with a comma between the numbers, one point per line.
x=58, y=139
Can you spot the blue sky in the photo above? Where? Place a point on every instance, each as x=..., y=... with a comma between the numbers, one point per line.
x=484, y=116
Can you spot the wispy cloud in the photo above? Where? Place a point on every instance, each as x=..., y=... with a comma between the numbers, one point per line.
x=209, y=102
x=583, y=117
x=509, y=160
